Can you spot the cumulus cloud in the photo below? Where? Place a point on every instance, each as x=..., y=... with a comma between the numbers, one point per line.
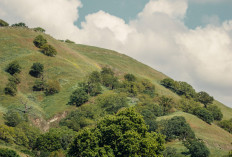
x=157, y=37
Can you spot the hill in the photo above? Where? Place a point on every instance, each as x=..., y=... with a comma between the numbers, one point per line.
x=70, y=66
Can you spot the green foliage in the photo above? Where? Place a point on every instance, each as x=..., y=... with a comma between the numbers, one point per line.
x=10, y=89
x=216, y=112
x=20, y=24
x=204, y=98
x=52, y=87
x=5, y=152
x=197, y=148
x=13, y=118
x=39, y=85
x=36, y=70
x=188, y=105
x=14, y=78
x=3, y=23
x=226, y=124
x=170, y=152
x=84, y=116
x=149, y=88
x=123, y=134
x=39, y=29
x=108, y=78
x=7, y=133
x=177, y=127
x=130, y=87
x=20, y=137
x=166, y=103
x=39, y=41
x=203, y=114
x=78, y=97
x=112, y=102
x=150, y=119
x=93, y=89
x=130, y=77
x=230, y=154
x=13, y=68
x=69, y=41
x=49, y=50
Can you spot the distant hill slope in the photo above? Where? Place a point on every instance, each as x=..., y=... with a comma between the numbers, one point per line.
x=72, y=63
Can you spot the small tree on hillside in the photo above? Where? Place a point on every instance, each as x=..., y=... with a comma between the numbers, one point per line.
x=78, y=97
x=39, y=29
x=36, y=69
x=49, y=50
x=52, y=87
x=215, y=111
x=13, y=68
x=20, y=24
x=203, y=114
x=39, y=41
x=11, y=89
x=204, y=98
x=3, y=23
x=5, y=152
x=197, y=148
x=130, y=77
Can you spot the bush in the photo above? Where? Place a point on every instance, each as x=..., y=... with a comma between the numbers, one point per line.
x=39, y=29
x=39, y=85
x=7, y=133
x=15, y=79
x=69, y=41
x=3, y=23
x=13, y=118
x=203, y=114
x=188, y=105
x=52, y=87
x=11, y=89
x=130, y=77
x=49, y=50
x=177, y=127
x=13, y=68
x=5, y=152
x=204, y=98
x=226, y=124
x=39, y=41
x=78, y=97
x=166, y=103
x=197, y=148
x=20, y=24
x=36, y=69
x=215, y=111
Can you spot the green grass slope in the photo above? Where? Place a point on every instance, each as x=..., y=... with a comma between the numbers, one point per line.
x=217, y=140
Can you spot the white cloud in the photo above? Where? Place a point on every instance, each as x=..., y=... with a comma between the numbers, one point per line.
x=158, y=37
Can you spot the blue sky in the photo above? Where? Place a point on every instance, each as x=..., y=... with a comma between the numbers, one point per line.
x=197, y=13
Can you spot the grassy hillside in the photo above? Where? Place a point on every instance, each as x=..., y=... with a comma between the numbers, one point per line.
x=72, y=63
x=216, y=139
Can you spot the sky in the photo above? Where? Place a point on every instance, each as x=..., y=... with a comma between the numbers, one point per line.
x=188, y=40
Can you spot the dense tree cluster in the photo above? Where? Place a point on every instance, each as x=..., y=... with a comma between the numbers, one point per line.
x=36, y=70
x=226, y=124
x=39, y=29
x=20, y=24
x=3, y=23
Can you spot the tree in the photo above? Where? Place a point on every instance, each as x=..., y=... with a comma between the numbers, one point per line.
x=226, y=124
x=149, y=88
x=13, y=68
x=177, y=127
x=10, y=89
x=203, y=114
x=204, y=98
x=112, y=102
x=215, y=111
x=78, y=97
x=20, y=24
x=36, y=69
x=3, y=23
x=188, y=105
x=130, y=77
x=5, y=152
x=39, y=85
x=197, y=148
x=15, y=79
x=49, y=50
x=69, y=41
x=52, y=87
x=39, y=29
x=39, y=41
x=123, y=134
x=186, y=90
x=168, y=83
x=166, y=103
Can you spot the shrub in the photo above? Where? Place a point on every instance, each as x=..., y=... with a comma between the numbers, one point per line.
x=39, y=41
x=197, y=148
x=39, y=29
x=49, y=50
x=3, y=23
x=204, y=98
x=20, y=24
x=52, y=87
x=5, y=152
x=11, y=89
x=166, y=104
x=15, y=79
x=203, y=114
x=226, y=124
x=13, y=118
x=13, y=68
x=69, y=41
x=215, y=111
x=149, y=88
x=129, y=77
x=177, y=127
x=78, y=97
x=36, y=69
x=7, y=133
x=188, y=105
x=39, y=85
